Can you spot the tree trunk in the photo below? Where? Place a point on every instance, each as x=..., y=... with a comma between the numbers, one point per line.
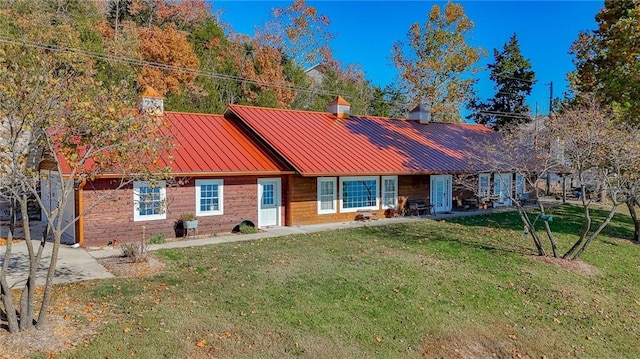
x=48, y=287
x=605, y=223
x=552, y=239
x=583, y=232
x=5, y=290
x=27, y=298
x=631, y=205
x=532, y=231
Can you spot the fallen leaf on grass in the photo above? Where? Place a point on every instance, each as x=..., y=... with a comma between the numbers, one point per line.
x=126, y=330
x=201, y=343
x=378, y=339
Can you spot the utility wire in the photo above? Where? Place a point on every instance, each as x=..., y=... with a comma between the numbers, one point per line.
x=163, y=66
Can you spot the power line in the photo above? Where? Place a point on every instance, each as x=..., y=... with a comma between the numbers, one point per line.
x=164, y=66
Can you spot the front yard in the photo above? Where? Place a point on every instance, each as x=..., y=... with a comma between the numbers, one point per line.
x=467, y=288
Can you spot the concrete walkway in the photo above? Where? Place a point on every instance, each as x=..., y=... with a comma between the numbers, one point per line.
x=77, y=264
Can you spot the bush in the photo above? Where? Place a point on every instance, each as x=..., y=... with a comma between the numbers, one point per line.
x=247, y=229
x=136, y=251
x=157, y=239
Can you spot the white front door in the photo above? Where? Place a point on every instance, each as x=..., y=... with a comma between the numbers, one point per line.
x=502, y=189
x=268, y=202
x=441, y=193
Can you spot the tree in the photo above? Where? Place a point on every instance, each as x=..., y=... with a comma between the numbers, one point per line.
x=170, y=49
x=581, y=140
x=52, y=107
x=299, y=30
x=437, y=63
x=606, y=59
x=513, y=79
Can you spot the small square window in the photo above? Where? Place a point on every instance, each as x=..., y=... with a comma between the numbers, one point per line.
x=149, y=200
x=209, y=197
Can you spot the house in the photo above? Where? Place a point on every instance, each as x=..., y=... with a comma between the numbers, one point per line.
x=219, y=171
x=277, y=167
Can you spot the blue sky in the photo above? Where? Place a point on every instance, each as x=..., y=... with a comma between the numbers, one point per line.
x=366, y=31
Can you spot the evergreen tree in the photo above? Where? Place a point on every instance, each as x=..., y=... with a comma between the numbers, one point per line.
x=607, y=61
x=513, y=79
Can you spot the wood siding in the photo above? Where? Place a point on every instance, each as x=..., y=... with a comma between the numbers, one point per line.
x=113, y=219
x=303, y=205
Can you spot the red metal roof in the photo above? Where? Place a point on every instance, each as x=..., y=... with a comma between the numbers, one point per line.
x=209, y=144
x=320, y=144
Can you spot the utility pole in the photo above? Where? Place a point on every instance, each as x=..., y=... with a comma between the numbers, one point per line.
x=550, y=108
x=550, y=97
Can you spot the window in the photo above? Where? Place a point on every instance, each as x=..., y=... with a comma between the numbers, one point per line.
x=520, y=185
x=389, y=192
x=326, y=195
x=358, y=193
x=484, y=186
x=208, y=197
x=268, y=195
x=149, y=200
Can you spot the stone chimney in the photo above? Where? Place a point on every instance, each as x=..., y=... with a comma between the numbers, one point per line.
x=419, y=113
x=151, y=100
x=339, y=107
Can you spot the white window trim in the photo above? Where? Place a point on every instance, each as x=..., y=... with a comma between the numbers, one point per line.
x=335, y=195
x=220, y=184
x=360, y=178
x=395, y=191
x=162, y=185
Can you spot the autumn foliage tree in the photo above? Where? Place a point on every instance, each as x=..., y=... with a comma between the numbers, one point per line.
x=607, y=61
x=52, y=107
x=436, y=63
x=83, y=129
x=299, y=30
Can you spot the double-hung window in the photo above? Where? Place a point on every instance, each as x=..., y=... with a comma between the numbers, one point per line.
x=209, y=197
x=358, y=193
x=484, y=185
x=389, y=191
x=149, y=200
x=327, y=195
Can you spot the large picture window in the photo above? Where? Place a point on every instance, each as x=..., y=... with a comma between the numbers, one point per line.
x=209, y=197
x=327, y=195
x=358, y=193
x=149, y=200
x=389, y=191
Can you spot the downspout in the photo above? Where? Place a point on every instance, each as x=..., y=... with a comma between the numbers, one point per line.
x=79, y=211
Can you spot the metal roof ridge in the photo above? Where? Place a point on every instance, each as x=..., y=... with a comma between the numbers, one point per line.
x=193, y=113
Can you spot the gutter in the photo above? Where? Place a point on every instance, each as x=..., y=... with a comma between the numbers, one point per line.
x=79, y=212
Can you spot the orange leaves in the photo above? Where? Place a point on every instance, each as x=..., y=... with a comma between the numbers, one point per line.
x=170, y=47
x=201, y=343
x=435, y=58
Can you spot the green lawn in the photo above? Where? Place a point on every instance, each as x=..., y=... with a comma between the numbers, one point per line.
x=461, y=288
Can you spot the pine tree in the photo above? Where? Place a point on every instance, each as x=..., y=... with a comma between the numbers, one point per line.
x=513, y=79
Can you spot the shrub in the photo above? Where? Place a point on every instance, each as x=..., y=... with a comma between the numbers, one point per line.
x=157, y=239
x=247, y=229
x=136, y=251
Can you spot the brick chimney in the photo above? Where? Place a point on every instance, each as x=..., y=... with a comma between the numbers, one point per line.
x=419, y=113
x=339, y=107
x=151, y=100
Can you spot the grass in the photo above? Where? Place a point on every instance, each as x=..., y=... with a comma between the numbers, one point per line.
x=460, y=288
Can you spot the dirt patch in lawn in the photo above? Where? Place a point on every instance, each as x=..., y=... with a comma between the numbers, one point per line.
x=571, y=265
x=126, y=267
x=470, y=344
